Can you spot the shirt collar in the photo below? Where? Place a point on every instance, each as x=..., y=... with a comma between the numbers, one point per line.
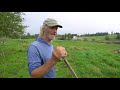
x=39, y=39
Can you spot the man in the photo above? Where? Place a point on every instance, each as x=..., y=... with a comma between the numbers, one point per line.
x=42, y=57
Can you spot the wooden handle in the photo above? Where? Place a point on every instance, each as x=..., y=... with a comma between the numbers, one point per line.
x=72, y=71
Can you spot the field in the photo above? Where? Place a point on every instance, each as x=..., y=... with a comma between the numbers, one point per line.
x=88, y=59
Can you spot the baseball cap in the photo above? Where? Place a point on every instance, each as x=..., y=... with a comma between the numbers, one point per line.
x=51, y=22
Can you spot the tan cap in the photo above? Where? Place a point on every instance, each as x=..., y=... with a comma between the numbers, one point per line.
x=51, y=22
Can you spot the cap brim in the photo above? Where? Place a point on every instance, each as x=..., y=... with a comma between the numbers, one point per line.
x=55, y=26
x=59, y=26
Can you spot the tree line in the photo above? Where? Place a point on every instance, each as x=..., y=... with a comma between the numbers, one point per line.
x=96, y=34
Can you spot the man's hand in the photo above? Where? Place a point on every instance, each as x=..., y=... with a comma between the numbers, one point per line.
x=59, y=52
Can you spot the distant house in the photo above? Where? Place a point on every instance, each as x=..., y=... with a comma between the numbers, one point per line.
x=75, y=36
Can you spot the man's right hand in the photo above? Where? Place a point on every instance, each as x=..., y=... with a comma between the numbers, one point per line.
x=59, y=52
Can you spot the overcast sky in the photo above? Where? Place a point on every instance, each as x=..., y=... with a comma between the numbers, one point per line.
x=75, y=22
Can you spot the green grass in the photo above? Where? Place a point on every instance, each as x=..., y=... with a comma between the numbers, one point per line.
x=88, y=59
x=91, y=60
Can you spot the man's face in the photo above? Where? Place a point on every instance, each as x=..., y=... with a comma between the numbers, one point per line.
x=50, y=32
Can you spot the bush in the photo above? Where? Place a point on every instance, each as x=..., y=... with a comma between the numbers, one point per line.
x=85, y=39
x=118, y=36
x=107, y=37
x=93, y=39
x=3, y=40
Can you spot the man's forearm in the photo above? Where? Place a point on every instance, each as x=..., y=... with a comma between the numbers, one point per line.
x=42, y=70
